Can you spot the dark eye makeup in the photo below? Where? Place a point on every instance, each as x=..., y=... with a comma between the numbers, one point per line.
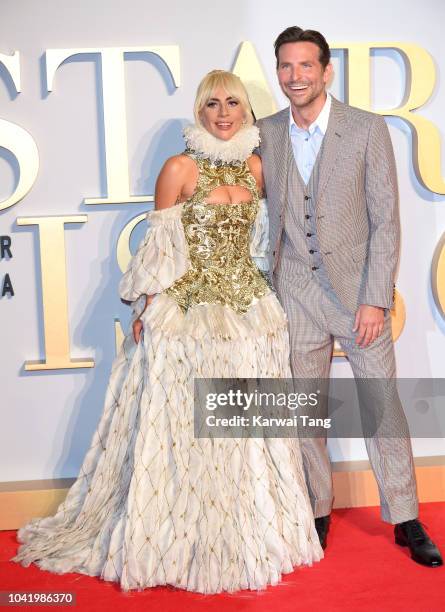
x=230, y=102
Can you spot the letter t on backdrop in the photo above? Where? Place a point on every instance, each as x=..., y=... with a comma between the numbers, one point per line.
x=114, y=110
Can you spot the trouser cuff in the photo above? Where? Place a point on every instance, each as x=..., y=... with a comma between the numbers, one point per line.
x=400, y=514
x=321, y=507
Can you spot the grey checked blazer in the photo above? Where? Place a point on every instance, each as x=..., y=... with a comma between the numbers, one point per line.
x=357, y=205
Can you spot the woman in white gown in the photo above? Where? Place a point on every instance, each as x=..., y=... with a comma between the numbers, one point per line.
x=152, y=504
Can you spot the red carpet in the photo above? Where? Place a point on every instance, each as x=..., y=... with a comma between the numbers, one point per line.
x=363, y=570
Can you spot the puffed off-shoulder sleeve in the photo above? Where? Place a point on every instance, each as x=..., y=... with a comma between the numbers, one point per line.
x=259, y=239
x=161, y=258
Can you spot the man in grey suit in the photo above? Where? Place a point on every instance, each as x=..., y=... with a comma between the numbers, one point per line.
x=331, y=186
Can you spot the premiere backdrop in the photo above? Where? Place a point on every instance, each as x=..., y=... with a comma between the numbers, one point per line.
x=93, y=97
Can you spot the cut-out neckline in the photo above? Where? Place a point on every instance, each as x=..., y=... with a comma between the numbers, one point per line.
x=227, y=203
x=220, y=194
x=216, y=203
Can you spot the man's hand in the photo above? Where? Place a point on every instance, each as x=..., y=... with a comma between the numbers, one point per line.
x=368, y=324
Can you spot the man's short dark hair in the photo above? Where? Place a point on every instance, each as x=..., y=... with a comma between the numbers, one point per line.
x=296, y=34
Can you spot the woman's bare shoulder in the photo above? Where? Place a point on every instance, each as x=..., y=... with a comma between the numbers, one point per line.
x=178, y=163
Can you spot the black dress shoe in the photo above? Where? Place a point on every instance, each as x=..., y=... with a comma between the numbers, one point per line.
x=322, y=527
x=423, y=550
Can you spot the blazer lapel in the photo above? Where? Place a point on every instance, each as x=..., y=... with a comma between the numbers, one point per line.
x=281, y=158
x=331, y=145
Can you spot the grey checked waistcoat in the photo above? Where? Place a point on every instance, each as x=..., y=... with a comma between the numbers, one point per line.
x=300, y=240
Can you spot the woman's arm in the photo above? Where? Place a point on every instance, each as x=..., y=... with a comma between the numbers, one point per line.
x=178, y=175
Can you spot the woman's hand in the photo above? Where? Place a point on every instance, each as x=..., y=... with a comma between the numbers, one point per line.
x=138, y=326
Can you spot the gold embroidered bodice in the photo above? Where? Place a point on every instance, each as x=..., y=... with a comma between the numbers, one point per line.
x=218, y=238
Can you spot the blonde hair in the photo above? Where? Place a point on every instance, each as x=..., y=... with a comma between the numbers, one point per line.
x=231, y=84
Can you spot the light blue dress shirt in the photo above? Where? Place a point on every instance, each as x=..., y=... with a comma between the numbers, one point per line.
x=306, y=143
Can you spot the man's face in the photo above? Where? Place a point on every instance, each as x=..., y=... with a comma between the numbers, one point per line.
x=301, y=76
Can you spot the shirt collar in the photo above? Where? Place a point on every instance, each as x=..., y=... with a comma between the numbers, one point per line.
x=321, y=121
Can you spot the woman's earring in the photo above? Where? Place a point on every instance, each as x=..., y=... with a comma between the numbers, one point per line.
x=244, y=121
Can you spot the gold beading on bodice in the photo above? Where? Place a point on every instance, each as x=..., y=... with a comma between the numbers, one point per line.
x=218, y=238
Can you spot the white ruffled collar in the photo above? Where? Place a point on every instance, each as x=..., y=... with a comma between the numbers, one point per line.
x=237, y=149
